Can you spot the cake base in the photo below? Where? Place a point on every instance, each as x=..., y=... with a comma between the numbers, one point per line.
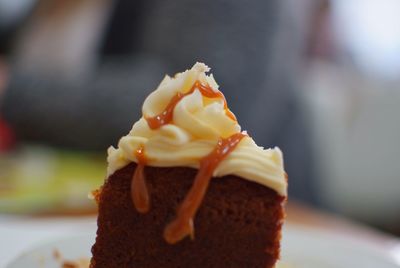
x=238, y=224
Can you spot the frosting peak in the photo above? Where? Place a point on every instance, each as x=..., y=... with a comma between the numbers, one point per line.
x=182, y=122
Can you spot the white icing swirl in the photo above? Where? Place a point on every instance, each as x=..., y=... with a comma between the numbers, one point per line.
x=198, y=122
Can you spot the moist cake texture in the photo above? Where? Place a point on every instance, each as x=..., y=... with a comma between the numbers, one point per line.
x=238, y=224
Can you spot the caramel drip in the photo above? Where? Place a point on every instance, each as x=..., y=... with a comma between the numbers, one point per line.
x=165, y=117
x=139, y=192
x=183, y=224
x=208, y=92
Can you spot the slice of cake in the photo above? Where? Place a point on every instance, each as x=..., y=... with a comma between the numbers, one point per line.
x=187, y=188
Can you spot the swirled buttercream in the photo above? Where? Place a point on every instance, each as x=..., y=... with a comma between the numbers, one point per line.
x=197, y=121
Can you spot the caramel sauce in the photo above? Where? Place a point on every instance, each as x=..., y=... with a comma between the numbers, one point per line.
x=165, y=117
x=183, y=224
x=139, y=192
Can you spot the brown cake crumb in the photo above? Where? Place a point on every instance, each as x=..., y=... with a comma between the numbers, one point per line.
x=95, y=194
x=57, y=255
x=68, y=264
x=78, y=263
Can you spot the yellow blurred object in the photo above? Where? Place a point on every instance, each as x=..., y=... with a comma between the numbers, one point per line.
x=37, y=179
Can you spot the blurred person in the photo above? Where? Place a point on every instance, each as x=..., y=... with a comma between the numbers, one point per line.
x=79, y=70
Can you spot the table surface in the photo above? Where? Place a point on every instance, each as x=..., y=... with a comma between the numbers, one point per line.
x=303, y=215
x=20, y=233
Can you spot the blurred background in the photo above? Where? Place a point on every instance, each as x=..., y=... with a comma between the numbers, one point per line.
x=318, y=78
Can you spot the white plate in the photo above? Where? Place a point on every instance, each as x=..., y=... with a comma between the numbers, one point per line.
x=302, y=248
x=70, y=248
x=309, y=248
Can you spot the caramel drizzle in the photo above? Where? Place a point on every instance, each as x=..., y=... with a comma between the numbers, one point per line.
x=139, y=193
x=166, y=116
x=183, y=224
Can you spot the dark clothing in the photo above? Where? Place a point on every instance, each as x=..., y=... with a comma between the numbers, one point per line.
x=248, y=44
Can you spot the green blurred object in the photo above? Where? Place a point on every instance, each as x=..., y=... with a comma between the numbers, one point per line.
x=35, y=179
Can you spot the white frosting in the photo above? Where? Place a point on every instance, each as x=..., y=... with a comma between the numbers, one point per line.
x=198, y=122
